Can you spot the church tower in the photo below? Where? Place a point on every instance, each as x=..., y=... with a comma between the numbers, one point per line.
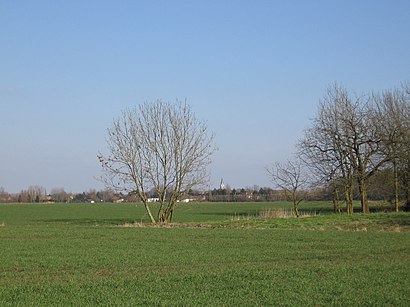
x=221, y=185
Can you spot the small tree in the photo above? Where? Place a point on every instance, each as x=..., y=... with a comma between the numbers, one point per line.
x=291, y=179
x=158, y=146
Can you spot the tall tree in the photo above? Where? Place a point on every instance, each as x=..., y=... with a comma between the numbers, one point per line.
x=323, y=147
x=158, y=146
x=404, y=160
x=344, y=142
x=391, y=118
x=362, y=141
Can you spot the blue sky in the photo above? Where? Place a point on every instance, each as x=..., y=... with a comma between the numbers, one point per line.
x=253, y=70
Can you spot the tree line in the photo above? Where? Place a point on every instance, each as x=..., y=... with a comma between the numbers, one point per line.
x=39, y=194
x=353, y=143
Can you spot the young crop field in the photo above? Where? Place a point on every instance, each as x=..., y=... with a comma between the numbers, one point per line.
x=213, y=254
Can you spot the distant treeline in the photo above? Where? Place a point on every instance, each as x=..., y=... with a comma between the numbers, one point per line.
x=380, y=188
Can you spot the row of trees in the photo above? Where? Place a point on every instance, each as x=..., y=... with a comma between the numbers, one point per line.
x=38, y=194
x=254, y=193
x=351, y=141
x=378, y=189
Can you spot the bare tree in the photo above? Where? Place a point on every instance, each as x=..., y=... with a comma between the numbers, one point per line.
x=3, y=195
x=59, y=194
x=323, y=148
x=404, y=160
x=158, y=146
x=404, y=177
x=36, y=193
x=291, y=178
x=362, y=143
x=345, y=136
x=391, y=118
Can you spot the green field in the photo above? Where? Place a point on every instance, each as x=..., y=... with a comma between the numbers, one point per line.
x=216, y=254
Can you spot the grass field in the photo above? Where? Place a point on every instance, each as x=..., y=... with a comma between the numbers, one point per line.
x=216, y=255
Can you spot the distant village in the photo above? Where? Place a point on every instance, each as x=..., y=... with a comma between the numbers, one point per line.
x=224, y=193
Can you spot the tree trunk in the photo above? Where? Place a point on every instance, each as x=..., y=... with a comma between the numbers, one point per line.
x=407, y=206
x=295, y=208
x=363, y=195
x=149, y=213
x=396, y=186
x=161, y=215
x=168, y=216
x=336, y=206
x=349, y=199
x=165, y=215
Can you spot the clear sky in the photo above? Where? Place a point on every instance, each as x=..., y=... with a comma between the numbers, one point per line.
x=253, y=70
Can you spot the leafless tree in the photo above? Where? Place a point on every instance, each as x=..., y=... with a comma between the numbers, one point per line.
x=346, y=138
x=291, y=178
x=159, y=146
x=351, y=139
x=404, y=160
x=3, y=194
x=392, y=119
x=323, y=148
x=59, y=194
x=362, y=143
x=36, y=193
x=404, y=177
